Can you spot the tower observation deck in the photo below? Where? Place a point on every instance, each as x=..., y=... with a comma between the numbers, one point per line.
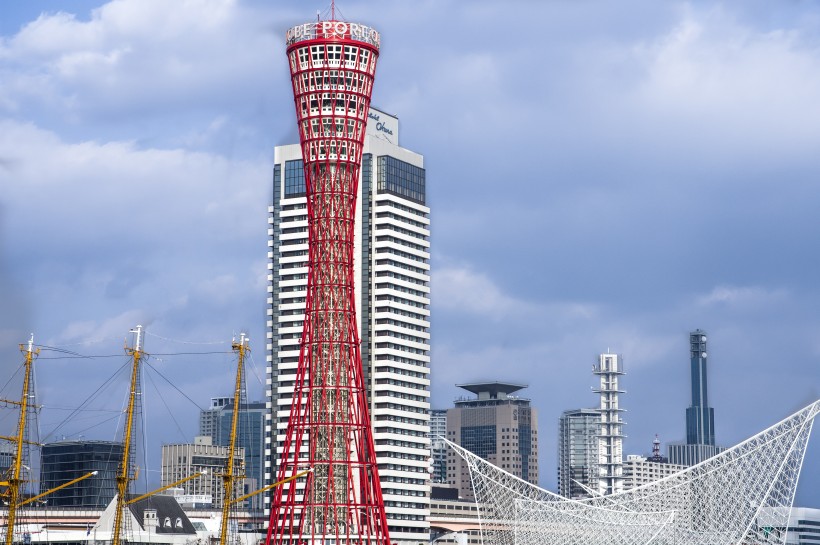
x=332, y=65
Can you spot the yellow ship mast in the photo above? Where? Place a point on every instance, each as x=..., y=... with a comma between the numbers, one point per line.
x=229, y=478
x=124, y=477
x=14, y=482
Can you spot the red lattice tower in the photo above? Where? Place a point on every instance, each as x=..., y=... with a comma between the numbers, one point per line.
x=332, y=66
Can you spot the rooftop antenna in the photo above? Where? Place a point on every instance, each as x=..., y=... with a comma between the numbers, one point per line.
x=332, y=10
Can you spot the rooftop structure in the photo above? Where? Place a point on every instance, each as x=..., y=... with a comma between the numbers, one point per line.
x=496, y=426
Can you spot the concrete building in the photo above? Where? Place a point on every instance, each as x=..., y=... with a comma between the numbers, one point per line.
x=578, y=465
x=181, y=460
x=499, y=427
x=700, y=417
x=641, y=470
x=392, y=255
x=215, y=422
x=609, y=368
x=63, y=461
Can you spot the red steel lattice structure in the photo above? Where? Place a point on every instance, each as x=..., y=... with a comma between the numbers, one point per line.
x=332, y=66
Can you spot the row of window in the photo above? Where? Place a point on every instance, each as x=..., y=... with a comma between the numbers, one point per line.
x=402, y=289
x=347, y=105
x=399, y=253
x=387, y=321
x=401, y=265
x=402, y=242
x=400, y=230
x=401, y=179
x=401, y=300
x=402, y=348
x=402, y=336
x=326, y=80
x=402, y=219
x=400, y=312
x=402, y=277
x=330, y=55
x=397, y=407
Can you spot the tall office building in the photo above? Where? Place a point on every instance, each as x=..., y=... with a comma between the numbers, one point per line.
x=499, y=427
x=700, y=417
x=391, y=253
x=578, y=462
x=215, y=422
x=64, y=461
x=610, y=440
x=438, y=449
x=182, y=460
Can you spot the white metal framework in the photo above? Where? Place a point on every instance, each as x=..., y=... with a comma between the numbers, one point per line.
x=743, y=495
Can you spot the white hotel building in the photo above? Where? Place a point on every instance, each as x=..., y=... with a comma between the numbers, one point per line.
x=393, y=297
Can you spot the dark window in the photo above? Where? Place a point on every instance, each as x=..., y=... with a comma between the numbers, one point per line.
x=294, y=179
x=400, y=178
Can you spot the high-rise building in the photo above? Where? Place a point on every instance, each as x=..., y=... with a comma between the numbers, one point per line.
x=63, y=461
x=578, y=462
x=391, y=272
x=438, y=449
x=499, y=427
x=610, y=440
x=700, y=417
x=182, y=460
x=215, y=422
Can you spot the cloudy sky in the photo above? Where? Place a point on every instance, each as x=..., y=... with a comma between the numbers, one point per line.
x=602, y=176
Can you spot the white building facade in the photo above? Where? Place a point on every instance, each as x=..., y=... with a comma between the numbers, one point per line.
x=393, y=295
x=609, y=368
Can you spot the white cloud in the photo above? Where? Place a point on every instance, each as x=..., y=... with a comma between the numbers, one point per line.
x=742, y=296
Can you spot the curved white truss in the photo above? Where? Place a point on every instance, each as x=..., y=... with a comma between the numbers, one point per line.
x=740, y=496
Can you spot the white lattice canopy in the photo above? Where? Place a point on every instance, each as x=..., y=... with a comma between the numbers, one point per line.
x=741, y=496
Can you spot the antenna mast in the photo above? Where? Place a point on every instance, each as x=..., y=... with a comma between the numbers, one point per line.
x=15, y=481
x=124, y=476
x=228, y=478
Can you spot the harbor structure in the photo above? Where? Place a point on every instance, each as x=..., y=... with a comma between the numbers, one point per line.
x=327, y=429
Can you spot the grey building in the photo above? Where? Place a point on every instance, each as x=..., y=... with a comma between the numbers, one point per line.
x=64, y=461
x=499, y=427
x=215, y=423
x=578, y=466
x=438, y=449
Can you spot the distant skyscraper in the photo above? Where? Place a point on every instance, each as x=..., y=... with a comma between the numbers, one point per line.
x=215, y=423
x=438, y=449
x=578, y=462
x=501, y=428
x=610, y=441
x=64, y=461
x=700, y=417
x=182, y=460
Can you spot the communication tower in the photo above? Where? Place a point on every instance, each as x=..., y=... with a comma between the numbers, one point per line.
x=332, y=65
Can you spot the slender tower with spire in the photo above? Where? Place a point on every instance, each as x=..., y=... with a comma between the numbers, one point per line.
x=700, y=417
x=332, y=65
